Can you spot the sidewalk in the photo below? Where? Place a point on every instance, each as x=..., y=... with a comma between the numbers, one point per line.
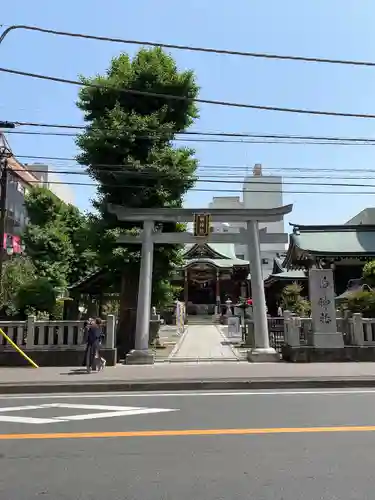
x=202, y=342
x=188, y=376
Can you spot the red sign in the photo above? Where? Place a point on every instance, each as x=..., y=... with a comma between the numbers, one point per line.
x=12, y=241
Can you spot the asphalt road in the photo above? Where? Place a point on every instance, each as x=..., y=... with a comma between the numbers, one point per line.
x=283, y=445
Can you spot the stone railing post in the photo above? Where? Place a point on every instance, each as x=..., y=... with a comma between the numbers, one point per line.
x=30, y=332
x=110, y=332
x=358, y=338
x=292, y=326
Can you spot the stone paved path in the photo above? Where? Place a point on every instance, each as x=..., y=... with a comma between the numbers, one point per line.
x=203, y=342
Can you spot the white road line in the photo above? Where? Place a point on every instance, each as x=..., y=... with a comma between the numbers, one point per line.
x=107, y=414
x=110, y=411
x=90, y=407
x=29, y=420
x=18, y=408
x=322, y=392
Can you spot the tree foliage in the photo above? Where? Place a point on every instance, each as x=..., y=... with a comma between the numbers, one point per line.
x=57, y=238
x=36, y=295
x=368, y=273
x=128, y=149
x=362, y=301
x=293, y=301
x=16, y=272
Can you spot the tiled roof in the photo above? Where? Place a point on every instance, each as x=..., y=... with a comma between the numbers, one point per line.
x=222, y=250
x=16, y=167
x=334, y=240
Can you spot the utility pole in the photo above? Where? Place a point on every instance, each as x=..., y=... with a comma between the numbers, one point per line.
x=5, y=153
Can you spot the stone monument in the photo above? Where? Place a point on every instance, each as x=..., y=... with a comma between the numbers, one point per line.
x=323, y=311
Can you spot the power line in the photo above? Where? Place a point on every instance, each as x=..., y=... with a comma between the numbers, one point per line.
x=142, y=187
x=224, y=167
x=222, y=141
x=190, y=48
x=183, y=98
x=163, y=176
x=155, y=133
x=220, y=175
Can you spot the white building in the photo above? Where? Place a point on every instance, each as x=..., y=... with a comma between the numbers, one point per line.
x=51, y=180
x=259, y=192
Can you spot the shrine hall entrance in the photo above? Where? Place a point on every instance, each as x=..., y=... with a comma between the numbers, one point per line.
x=210, y=275
x=200, y=292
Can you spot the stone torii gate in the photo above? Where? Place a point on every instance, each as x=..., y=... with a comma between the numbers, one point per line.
x=251, y=236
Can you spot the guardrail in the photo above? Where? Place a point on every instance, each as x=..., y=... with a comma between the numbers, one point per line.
x=52, y=335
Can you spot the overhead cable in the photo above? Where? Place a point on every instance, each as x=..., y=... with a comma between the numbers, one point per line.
x=191, y=48
x=143, y=188
x=187, y=99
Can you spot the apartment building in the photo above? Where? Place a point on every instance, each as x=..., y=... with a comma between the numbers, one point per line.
x=22, y=177
x=259, y=191
x=19, y=181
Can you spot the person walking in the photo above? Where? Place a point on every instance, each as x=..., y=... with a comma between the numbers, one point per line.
x=86, y=326
x=94, y=339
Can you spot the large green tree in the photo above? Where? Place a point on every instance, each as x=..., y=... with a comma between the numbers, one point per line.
x=57, y=238
x=128, y=149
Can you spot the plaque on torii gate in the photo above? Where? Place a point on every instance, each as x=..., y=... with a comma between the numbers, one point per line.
x=251, y=236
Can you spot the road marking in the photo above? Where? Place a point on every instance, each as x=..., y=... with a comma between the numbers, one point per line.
x=188, y=432
x=109, y=412
x=93, y=395
x=28, y=420
x=21, y=408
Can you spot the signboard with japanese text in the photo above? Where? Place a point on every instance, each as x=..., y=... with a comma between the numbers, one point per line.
x=322, y=297
x=202, y=225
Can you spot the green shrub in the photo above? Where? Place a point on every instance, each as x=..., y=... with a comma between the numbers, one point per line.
x=292, y=300
x=38, y=295
x=362, y=302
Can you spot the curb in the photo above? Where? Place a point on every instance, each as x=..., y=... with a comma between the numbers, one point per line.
x=192, y=361
x=186, y=385
x=225, y=339
x=178, y=345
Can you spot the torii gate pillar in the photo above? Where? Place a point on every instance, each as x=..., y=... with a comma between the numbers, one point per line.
x=262, y=350
x=141, y=353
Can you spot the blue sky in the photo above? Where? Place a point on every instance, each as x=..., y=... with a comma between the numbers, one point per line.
x=322, y=28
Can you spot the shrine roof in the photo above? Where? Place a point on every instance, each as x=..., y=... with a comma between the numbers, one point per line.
x=97, y=282
x=293, y=274
x=221, y=255
x=224, y=250
x=331, y=241
x=280, y=273
x=222, y=263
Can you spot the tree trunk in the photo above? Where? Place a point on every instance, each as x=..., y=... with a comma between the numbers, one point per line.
x=125, y=335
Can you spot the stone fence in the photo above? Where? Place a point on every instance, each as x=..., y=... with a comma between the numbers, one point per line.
x=52, y=343
x=358, y=335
